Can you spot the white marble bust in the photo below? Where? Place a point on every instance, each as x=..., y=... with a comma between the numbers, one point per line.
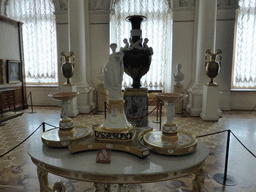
x=113, y=74
x=178, y=76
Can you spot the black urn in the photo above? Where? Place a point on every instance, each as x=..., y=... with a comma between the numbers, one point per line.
x=137, y=54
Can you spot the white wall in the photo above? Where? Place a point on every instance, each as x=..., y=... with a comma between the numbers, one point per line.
x=9, y=48
x=183, y=51
x=99, y=34
x=183, y=36
x=40, y=95
x=62, y=39
x=243, y=100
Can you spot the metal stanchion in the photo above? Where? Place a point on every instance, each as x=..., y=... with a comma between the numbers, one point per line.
x=160, y=112
x=105, y=109
x=157, y=121
x=43, y=126
x=32, y=111
x=182, y=113
x=225, y=179
x=97, y=107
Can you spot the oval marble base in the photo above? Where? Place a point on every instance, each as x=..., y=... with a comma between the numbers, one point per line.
x=157, y=142
x=52, y=137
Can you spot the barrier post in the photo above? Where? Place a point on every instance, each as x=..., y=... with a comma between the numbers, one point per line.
x=43, y=126
x=32, y=111
x=105, y=109
x=160, y=124
x=157, y=104
x=221, y=178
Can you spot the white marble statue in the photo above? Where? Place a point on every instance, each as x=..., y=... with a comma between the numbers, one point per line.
x=101, y=75
x=113, y=74
x=178, y=76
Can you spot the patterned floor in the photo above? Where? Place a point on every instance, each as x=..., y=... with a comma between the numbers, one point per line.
x=18, y=173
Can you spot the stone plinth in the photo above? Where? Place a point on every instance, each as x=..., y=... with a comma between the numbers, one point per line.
x=210, y=105
x=178, y=105
x=136, y=106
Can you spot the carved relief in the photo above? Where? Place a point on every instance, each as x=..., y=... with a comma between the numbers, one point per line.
x=61, y=5
x=99, y=5
x=43, y=180
x=198, y=181
x=223, y=2
x=44, y=184
x=187, y=3
x=191, y=3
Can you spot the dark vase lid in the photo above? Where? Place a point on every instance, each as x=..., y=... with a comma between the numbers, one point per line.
x=136, y=20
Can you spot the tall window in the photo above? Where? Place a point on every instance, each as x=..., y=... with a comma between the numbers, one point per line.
x=39, y=38
x=157, y=29
x=244, y=59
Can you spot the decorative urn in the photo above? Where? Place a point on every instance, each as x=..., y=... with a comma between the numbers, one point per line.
x=137, y=54
x=212, y=66
x=67, y=66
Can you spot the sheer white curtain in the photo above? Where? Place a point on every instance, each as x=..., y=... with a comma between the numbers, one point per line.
x=157, y=28
x=244, y=59
x=39, y=38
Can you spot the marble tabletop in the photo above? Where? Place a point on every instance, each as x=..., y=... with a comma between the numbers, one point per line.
x=124, y=167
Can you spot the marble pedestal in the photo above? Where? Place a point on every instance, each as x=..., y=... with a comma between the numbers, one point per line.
x=178, y=105
x=72, y=107
x=136, y=106
x=210, y=105
x=102, y=97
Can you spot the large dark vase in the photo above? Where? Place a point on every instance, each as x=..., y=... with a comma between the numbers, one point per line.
x=67, y=67
x=212, y=66
x=137, y=55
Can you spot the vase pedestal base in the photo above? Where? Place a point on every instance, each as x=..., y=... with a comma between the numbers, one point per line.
x=136, y=106
x=57, y=137
x=180, y=143
x=130, y=146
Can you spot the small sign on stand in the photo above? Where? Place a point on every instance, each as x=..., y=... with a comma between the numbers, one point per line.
x=103, y=156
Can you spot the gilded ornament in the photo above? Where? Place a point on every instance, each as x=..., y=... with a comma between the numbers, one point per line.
x=151, y=178
x=198, y=182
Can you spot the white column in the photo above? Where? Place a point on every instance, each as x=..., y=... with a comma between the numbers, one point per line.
x=77, y=41
x=78, y=19
x=206, y=12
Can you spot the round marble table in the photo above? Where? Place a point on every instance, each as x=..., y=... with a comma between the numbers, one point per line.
x=124, y=168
